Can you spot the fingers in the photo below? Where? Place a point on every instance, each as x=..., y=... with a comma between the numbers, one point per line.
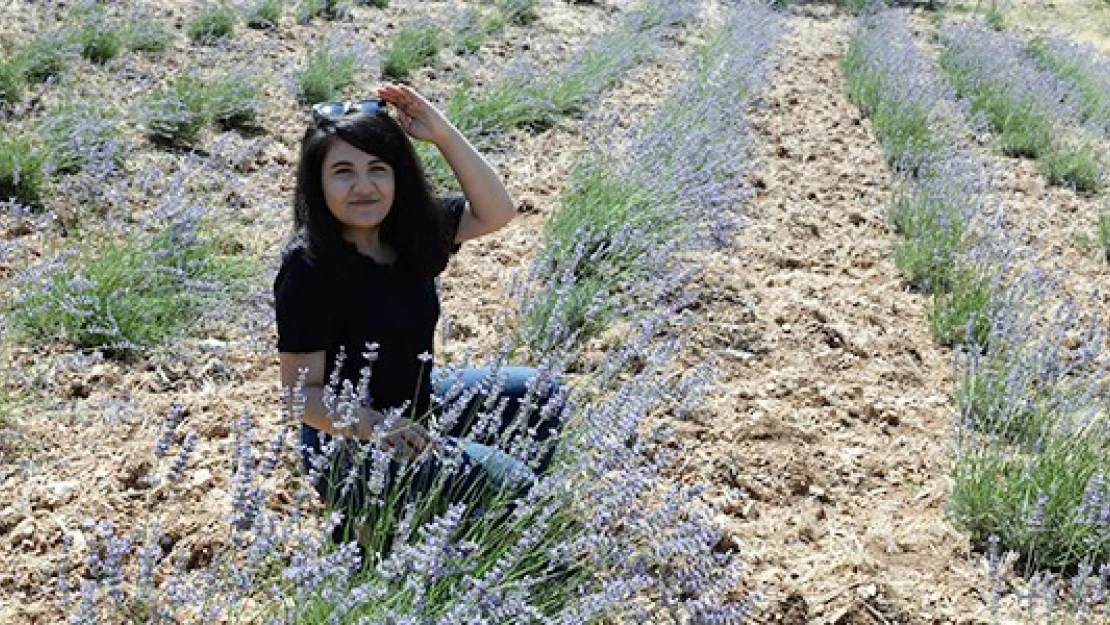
x=407, y=441
x=401, y=96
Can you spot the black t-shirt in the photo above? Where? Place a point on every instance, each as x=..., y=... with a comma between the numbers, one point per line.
x=356, y=302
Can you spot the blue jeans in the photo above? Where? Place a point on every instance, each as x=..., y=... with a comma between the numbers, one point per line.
x=480, y=470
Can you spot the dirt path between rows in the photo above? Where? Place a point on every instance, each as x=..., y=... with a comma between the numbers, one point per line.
x=835, y=410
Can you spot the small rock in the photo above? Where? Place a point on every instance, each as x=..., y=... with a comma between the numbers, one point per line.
x=213, y=345
x=63, y=487
x=9, y=518
x=25, y=531
x=201, y=477
x=727, y=543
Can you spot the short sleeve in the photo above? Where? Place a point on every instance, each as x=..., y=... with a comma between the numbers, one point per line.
x=302, y=306
x=453, y=206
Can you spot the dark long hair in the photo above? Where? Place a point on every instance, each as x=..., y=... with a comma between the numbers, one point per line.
x=415, y=227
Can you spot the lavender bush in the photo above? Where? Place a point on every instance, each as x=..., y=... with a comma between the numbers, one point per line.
x=179, y=113
x=77, y=132
x=127, y=297
x=473, y=27
x=519, y=12
x=213, y=23
x=409, y=48
x=263, y=13
x=21, y=171
x=46, y=56
x=326, y=9
x=95, y=35
x=11, y=84
x=145, y=33
x=326, y=72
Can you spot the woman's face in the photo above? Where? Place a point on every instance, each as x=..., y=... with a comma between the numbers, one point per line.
x=358, y=187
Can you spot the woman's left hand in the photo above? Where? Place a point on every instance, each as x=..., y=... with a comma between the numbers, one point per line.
x=420, y=118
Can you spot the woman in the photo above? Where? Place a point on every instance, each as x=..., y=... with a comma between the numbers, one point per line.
x=356, y=300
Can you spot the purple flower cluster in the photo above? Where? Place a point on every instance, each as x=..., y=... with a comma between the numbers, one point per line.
x=986, y=63
x=1087, y=69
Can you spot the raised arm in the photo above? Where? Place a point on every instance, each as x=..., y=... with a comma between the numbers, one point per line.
x=491, y=208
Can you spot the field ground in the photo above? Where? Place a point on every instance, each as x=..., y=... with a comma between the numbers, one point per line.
x=833, y=405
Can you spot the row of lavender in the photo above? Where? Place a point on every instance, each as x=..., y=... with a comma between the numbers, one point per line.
x=566, y=552
x=1030, y=442
x=621, y=254
x=1043, y=100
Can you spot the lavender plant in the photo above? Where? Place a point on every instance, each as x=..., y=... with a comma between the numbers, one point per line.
x=11, y=83
x=233, y=102
x=473, y=27
x=409, y=48
x=177, y=114
x=180, y=112
x=519, y=12
x=145, y=33
x=46, y=56
x=932, y=216
x=213, y=23
x=1103, y=231
x=125, y=297
x=327, y=71
x=264, y=13
x=79, y=131
x=21, y=171
x=326, y=9
x=96, y=36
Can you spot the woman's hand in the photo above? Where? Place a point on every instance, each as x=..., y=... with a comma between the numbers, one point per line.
x=420, y=118
x=406, y=438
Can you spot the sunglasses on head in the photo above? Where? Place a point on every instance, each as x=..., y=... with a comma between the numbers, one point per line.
x=335, y=110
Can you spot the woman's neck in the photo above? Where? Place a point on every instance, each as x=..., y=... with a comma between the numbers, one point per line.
x=368, y=243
